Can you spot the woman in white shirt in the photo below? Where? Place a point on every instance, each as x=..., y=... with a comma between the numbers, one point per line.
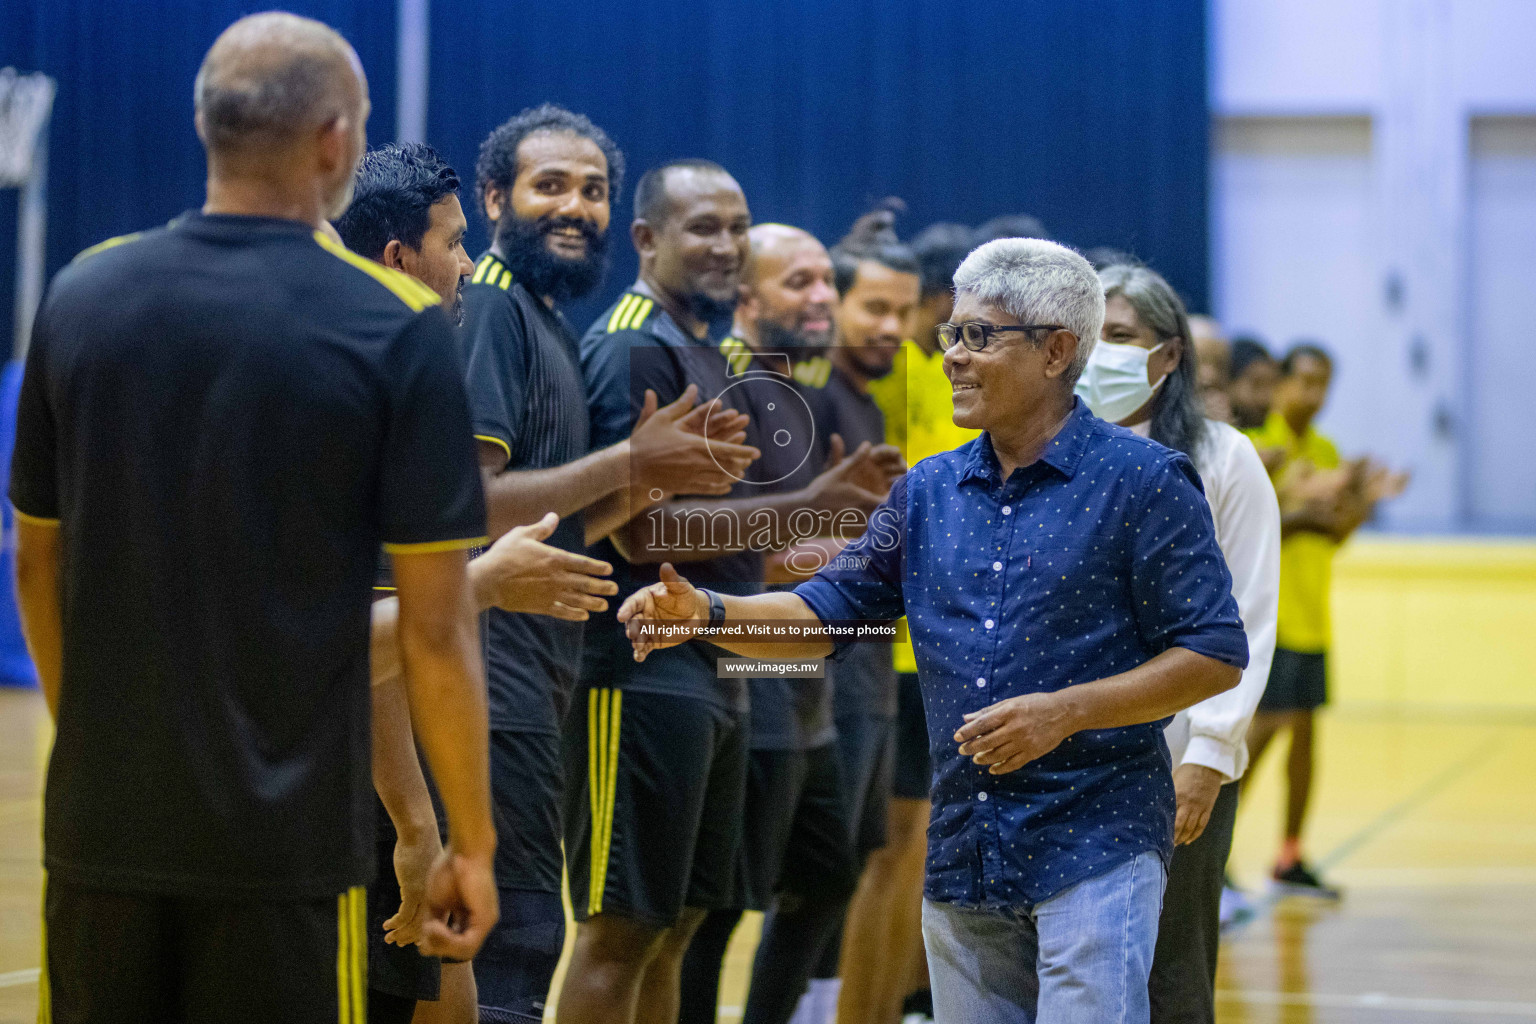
x=1142, y=375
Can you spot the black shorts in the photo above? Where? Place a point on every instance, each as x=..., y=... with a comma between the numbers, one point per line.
x=914, y=764
x=527, y=782
x=1297, y=682
x=798, y=836
x=114, y=957
x=867, y=746
x=655, y=785
x=395, y=970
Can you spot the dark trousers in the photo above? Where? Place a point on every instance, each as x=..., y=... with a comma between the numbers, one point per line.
x=1183, y=980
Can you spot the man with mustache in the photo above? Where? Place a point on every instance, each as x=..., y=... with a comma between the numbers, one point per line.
x=797, y=859
x=545, y=180
x=1046, y=684
x=654, y=826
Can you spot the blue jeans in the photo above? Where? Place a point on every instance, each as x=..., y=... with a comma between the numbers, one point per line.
x=1081, y=957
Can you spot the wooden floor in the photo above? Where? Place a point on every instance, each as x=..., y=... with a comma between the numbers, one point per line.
x=1429, y=823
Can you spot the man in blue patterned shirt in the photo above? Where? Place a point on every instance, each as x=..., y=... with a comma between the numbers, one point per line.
x=1066, y=597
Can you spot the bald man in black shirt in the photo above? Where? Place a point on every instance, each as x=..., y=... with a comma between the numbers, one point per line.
x=221, y=421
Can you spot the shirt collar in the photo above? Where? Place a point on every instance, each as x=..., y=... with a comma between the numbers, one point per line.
x=1062, y=453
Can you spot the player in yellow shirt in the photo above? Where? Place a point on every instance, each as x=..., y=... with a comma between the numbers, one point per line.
x=1314, y=520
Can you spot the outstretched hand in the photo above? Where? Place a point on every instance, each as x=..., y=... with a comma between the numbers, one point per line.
x=672, y=600
x=520, y=573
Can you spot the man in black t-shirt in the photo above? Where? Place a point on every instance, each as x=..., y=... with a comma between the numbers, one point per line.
x=220, y=423
x=546, y=179
x=405, y=214
x=657, y=752
x=806, y=779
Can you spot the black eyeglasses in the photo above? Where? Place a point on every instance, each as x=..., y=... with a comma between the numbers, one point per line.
x=975, y=335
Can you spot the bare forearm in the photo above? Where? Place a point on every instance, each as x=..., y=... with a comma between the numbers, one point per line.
x=37, y=599
x=521, y=496
x=781, y=607
x=397, y=773
x=1163, y=686
x=612, y=513
x=446, y=690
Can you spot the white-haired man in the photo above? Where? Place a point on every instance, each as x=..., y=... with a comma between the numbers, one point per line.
x=1046, y=685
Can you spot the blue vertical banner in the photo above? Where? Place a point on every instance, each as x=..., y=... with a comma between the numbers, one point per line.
x=15, y=666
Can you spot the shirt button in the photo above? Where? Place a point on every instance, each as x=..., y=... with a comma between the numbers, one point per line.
x=997, y=566
x=990, y=623
x=982, y=796
x=1007, y=510
x=981, y=681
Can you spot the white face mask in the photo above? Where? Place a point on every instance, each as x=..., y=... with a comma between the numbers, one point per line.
x=1114, y=383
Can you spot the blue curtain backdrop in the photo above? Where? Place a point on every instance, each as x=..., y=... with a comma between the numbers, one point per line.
x=1091, y=114
x=123, y=152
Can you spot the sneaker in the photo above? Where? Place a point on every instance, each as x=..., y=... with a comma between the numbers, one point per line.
x=1236, y=907
x=1299, y=880
x=917, y=1008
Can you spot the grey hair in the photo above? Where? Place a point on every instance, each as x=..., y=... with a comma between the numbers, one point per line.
x=268, y=77
x=1038, y=282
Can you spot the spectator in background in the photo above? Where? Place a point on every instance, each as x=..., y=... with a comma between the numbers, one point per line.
x=1143, y=376
x=1252, y=376
x=1322, y=502
x=1213, y=367
x=1010, y=225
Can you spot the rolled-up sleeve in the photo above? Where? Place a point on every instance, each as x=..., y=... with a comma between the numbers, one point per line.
x=863, y=582
x=1179, y=578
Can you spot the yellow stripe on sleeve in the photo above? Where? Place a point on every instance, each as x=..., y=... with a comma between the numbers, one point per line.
x=33, y=520
x=405, y=287
x=111, y=243
x=624, y=306
x=498, y=442
x=638, y=314
x=485, y=264
x=432, y=547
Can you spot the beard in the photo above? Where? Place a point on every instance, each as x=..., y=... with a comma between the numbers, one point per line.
x=775, y=337
x=524, y=249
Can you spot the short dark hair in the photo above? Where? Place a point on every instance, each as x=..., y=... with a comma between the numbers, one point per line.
x=847, y=258
x=651, y=189
x=940, y=249
x=396, y=188
x=1245, y=352
x=1305, y=350
x=1011, y=225
x=497, y=163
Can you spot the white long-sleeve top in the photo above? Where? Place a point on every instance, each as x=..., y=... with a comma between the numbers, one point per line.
x=1243, y=504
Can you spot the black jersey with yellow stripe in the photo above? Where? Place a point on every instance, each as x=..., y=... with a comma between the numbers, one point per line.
x=632, y=347
x=228, y=417
x=522, y=373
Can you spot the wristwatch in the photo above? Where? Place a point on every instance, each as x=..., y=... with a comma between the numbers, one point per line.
x=716, y=608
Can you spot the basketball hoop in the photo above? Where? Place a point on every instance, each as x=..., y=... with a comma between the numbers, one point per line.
x=26, y=102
